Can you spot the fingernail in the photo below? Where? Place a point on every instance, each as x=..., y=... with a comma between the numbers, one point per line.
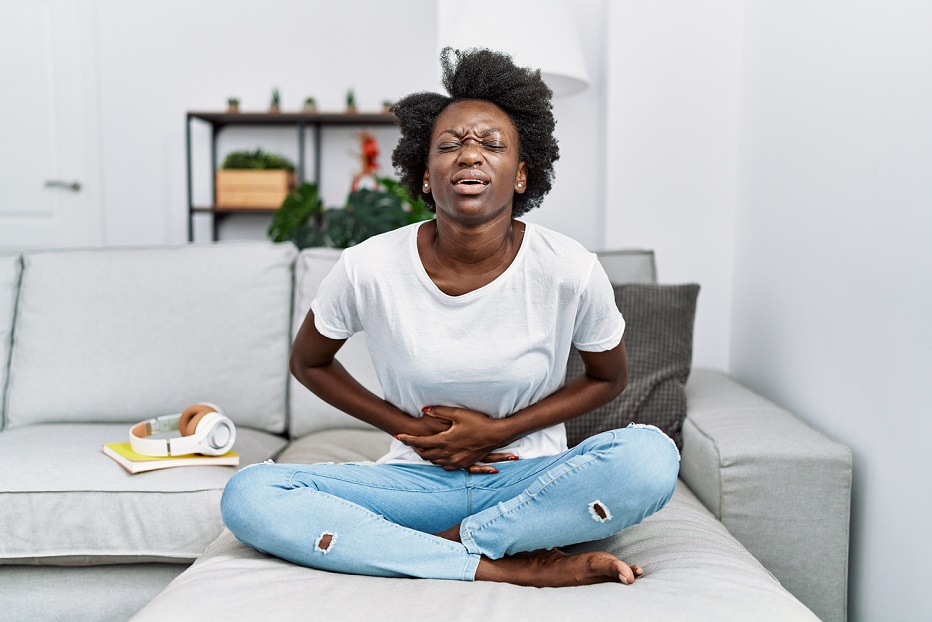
x=513, y=458
x=493, y=471
x=623, y=580
x=396, y=438
x=426, y=409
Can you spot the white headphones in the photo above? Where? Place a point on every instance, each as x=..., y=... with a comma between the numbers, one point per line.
x=204, y=430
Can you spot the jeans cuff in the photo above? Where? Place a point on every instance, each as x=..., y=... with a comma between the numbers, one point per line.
x=466, y=538
x=469, y=571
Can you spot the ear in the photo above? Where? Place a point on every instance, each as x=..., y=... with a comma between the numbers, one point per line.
x=521, y=178
x=425, y=185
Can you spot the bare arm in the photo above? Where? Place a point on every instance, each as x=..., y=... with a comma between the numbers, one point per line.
x=312, y=362
x=473, y=435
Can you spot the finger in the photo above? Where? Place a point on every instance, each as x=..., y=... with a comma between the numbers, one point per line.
x=425, y=442
x=499, y=457
x=482, y=469
x=437, y=412
x=637, y=570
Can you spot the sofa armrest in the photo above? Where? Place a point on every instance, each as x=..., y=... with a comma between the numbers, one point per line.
x=780, y=487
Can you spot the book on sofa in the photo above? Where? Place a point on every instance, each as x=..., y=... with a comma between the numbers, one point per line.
x=138, y=463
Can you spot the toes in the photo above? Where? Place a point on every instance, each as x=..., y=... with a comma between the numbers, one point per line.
x=625, y=573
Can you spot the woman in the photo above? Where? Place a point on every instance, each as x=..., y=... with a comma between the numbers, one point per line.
x=469, y=320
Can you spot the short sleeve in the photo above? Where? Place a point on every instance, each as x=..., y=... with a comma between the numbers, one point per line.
x=335, y=310
x=599, y=324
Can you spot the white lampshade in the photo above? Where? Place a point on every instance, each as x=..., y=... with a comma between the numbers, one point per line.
x=539, y=34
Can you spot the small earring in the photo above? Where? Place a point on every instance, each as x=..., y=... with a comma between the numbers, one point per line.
x=520, y=184
x=426, y=185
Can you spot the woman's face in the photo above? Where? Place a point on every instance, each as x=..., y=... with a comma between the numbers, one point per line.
x=473, y=169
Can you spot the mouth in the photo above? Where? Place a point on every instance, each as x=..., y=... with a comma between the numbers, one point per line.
x=470, y=181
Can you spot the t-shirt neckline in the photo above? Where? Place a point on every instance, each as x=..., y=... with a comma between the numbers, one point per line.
x=476, y=293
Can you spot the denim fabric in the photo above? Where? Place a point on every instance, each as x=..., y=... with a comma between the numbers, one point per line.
x=379, y=518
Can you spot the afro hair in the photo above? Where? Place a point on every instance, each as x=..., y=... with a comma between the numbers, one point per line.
x=493, y=77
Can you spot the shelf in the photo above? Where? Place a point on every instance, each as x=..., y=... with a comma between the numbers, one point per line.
x=220, y=119
x=215, y=209
x=317, y=122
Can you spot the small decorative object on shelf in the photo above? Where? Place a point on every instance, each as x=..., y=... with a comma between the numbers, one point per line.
x=387, y=106
x=368, y=159
x=254, y=179
x=351, y=101
x=310, y=105
x=233, y=105
x=275, y=106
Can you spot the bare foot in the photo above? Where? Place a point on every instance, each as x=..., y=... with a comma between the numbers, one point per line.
x=554, y=568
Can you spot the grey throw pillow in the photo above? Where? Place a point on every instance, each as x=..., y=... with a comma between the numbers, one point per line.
x=659, y=341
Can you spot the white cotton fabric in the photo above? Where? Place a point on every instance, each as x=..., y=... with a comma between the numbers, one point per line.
x=495, y=350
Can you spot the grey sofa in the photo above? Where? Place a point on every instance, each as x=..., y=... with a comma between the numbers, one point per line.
x=92, y=341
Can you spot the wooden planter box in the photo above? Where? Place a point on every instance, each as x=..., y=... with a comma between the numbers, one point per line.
x=249, y=188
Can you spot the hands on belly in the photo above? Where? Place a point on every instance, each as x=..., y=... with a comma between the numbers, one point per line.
x=460, y=439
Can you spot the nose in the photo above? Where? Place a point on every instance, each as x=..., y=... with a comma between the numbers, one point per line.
x=470, y=154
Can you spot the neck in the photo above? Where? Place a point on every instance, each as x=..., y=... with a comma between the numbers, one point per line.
x=475, y=248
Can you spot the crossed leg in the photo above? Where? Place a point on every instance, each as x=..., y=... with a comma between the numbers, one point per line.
x=366, y=520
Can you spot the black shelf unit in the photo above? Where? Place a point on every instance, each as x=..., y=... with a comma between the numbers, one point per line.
x=301, y=121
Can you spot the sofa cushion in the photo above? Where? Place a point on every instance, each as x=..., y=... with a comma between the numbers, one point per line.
x=659, y=339
x=128, y=334
x=694, y=570
x=62, y=501
x=342, y=445
x=309, y=413
x=629, y=266
x=10, y=266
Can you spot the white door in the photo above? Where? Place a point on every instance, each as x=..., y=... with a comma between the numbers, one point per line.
x=49, y=179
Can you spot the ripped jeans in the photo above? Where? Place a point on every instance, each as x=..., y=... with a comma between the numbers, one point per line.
x=378, y=519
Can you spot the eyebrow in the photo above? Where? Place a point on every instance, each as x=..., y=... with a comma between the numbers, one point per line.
x=463, y=131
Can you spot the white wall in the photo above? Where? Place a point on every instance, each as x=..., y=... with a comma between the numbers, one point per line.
x=833, y=262
x=671, y=148
x=576, y=206
x=158, y=60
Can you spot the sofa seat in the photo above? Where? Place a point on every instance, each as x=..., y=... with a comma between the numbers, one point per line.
x=694, y=570
x=63, y=502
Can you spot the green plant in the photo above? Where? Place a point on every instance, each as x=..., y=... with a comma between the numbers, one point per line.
x=303, y=205
x=276, y=98
x=350, y=98
x=368, y=212
x=233, y=101
x=258, y=159
x=415, y=208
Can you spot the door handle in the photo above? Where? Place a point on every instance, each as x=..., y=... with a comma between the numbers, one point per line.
x=74, y=186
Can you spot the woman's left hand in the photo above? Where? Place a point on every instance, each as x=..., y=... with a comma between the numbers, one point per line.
x=471, y=438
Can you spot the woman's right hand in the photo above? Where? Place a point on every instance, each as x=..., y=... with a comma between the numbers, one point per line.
x=467, y=438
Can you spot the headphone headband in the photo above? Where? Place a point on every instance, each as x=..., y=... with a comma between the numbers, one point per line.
x=213, y=434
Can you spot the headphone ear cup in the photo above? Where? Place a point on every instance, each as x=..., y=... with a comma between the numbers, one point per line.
x=187, y=423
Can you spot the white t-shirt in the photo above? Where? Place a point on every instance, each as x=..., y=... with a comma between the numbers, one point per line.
x=495, y=350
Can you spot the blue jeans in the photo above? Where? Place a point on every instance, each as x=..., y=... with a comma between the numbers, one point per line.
x=378, y=519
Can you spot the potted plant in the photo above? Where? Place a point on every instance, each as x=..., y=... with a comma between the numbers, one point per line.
x=233, y=105
x=387, y=106
x=350, y=101
x=310, y=105
x=254, y=179
x=275, y=106
x=303, y=220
